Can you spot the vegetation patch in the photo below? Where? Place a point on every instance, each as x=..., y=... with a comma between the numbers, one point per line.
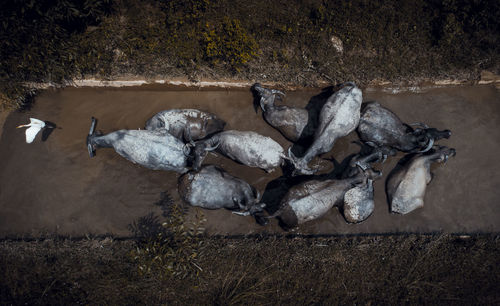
x=396, y=269
x=175, y=249
x=291, y=42
x=230, y=43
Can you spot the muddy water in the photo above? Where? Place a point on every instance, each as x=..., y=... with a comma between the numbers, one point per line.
x=53, y=186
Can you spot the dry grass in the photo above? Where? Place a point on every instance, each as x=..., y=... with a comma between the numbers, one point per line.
x=280, y=41
x=287, y=270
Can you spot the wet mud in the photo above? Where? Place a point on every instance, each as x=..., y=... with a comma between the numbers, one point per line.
x=53, y=186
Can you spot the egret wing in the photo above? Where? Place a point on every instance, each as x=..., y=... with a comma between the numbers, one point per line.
x=34, y=121
x=31, y=133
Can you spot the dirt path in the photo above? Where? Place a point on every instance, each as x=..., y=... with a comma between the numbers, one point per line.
x=53, y=186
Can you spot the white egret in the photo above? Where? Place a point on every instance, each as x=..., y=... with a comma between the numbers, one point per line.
x=35, y=126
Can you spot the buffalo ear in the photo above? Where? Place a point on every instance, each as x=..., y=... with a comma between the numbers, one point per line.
x=237, y=203
x=186, y=150
x=188, y=137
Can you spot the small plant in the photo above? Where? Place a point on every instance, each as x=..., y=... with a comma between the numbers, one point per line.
x=175, y=250
x=229, y=42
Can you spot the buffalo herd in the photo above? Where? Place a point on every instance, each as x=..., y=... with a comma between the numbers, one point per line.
x=179, y=139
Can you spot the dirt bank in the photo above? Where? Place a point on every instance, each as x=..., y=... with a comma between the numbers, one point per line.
x=303, y=43
x=53, y=186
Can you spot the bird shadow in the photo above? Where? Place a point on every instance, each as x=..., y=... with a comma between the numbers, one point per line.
x=150, y=225
x=145, y=227
x=50, y=127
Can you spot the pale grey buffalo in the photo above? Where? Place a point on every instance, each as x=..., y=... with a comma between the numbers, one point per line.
x=338, y=117
x=381, y=127
x=246, y=147
x=186, y=124
x=312, y=199
x=358, y=202
x=407, y=183
x=213, y=188
x=290, y=121
x=157, y=149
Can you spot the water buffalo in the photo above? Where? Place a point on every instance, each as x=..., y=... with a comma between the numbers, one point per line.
x=314, y=198
x=406, y=184
x=186, y=124
x=380, y=126
x=358, y=202
x=338, y=117
x=367, y=156
x=248, y=148
x=213, y=188
x=290, y=121
x=157, y=149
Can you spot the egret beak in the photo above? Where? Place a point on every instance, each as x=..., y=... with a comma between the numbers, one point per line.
x=17, y=127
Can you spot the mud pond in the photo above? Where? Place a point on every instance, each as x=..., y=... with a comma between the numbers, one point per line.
x=53, y=186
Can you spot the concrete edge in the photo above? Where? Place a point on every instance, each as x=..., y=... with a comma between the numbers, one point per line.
x=487, y=78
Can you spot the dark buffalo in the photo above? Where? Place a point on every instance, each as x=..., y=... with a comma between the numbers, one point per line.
x=213, y=188
x=290, y=121
x=186, y=124
x=381, y=127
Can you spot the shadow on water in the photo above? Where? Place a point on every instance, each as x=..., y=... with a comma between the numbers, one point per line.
x=277, y=189
x=150, y=225
x=313, y=108
x=50, y=127
x=256, y=100
x=166, y=203
x=145, y=227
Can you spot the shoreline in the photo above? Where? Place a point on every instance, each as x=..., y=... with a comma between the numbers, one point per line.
x=486, y=78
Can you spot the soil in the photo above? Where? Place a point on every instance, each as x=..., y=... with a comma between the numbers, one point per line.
x=53, y=186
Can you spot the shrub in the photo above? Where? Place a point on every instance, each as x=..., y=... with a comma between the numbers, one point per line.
x=229, y=42
x=175, y=250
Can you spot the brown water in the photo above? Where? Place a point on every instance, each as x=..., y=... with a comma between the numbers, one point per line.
x=53, y=186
